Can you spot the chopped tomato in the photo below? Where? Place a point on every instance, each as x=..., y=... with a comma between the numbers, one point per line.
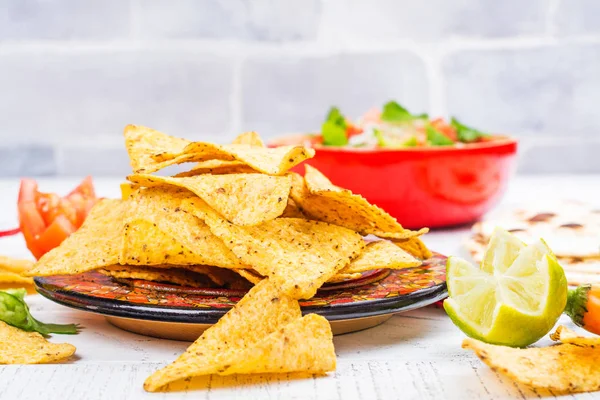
x=46, y=219
x=441, y=126
x=352, y=130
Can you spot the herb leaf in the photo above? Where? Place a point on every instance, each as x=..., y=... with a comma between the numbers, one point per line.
x=14, y=311
x=465, y=133
x=394, y=112
x=333, y=129
x=437, y=138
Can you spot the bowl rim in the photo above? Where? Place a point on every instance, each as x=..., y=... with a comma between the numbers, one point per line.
x=504, y=142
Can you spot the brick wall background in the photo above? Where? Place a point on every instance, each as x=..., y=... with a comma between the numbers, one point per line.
x=73, y=73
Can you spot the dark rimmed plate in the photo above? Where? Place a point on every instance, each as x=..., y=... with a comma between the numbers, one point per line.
x=182, y=313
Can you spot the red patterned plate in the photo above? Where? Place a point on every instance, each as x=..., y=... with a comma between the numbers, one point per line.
x=182, y=313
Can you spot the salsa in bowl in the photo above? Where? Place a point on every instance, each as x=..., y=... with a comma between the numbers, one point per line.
x=425, y=182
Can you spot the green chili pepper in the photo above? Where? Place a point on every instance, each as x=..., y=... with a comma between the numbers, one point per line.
x=14, y=311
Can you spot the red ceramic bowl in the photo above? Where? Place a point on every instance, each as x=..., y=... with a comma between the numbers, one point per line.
x=433, y=187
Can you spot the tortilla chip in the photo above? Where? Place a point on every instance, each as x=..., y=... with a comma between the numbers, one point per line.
x=414, y=246
x=11, y=277
x=151, y=151
x=319, y=199
x=341, y=277
x=243, y=199
x=305, y=254
x=15, y=265
x=262, y=311
x=379, y=255
x=217, y=167
x=162, y=206
x=292, y=210
x=177, y=276
x=20, y=347
x=569, y=367
x=96, y=244
x=251, y=138
x=305, y=344
x=250, y=275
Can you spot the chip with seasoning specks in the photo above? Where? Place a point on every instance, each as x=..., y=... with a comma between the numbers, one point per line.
x=20, y=347
x=381, y=255
x=320, y=200
x=305, y=254
x=243, y=199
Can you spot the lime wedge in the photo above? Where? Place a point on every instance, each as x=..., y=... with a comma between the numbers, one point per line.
x=513, y=299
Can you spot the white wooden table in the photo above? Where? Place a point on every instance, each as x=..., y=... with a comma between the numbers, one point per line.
x=415, y=355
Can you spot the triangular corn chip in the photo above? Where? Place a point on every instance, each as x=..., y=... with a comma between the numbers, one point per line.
x=96, y=244
x=178, y=276
x=570, y=367
x=341, y=276
x=414, y=246
x=305, y=344
x=20, y=347
x=18, y=266
x=292, y=210
x=262, y=311
x=303, y=253
x=151, y=151
x=319, y=199
x=162, y=206
x=381, y=254
x=250, y=275
x=243, y=199
x=217, y=167
x=252, y=138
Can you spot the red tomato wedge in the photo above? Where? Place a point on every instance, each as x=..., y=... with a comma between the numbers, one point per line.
x=46, y=219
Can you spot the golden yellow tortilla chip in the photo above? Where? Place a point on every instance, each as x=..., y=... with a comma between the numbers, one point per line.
x=96, y=244
x=15, y=265
x=341, y=277
x=151, y=151
x=305, y=254
x=243, y=199
x=20, y=347
x=569, y=367
x=162, y=206
x=217, y=167
x=178, y=276
x=251, y=138
x=292, y=210
x=250, y=275
x=143, y=144
x=565, y=335
x=414, y=246
x=319, y=199
x=305, y=344
x=262, y=311
x=11, y=277
x=381, y=254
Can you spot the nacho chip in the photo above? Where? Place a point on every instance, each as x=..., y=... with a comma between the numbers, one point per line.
x=305, y=254
x=305, y=344
x=96, y=244
x=177, y=276
x=292, y=210
x=20, y=347
x=243, y=199
x=250, y=275
x=341, y=277
x=262, y=311
x=15, y=265
x=162, y=206
x=319, y=199
x=414, y=246
x=251, y=138
x=217, y=167
x=381, y=254
x=151, y=151
x=11, y=277
x=569, y=367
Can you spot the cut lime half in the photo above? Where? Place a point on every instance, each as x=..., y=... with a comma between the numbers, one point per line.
x=513, y=299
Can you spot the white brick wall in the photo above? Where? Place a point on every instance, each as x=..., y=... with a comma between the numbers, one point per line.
x=73, y=73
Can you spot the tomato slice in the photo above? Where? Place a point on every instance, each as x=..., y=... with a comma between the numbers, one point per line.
x=46, y=219
x=441, y=126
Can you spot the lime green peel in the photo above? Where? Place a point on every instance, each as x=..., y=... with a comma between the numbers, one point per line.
x=514, y=298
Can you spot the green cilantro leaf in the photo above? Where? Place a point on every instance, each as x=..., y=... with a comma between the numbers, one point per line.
x=437, y=138
x=394, y=112
x=465, y=133
x=333, y=129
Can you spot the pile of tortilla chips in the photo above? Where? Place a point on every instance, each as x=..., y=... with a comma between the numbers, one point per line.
x=569, y=367
x=238, y=218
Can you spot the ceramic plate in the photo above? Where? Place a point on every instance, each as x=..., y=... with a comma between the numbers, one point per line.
x=182, y=313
